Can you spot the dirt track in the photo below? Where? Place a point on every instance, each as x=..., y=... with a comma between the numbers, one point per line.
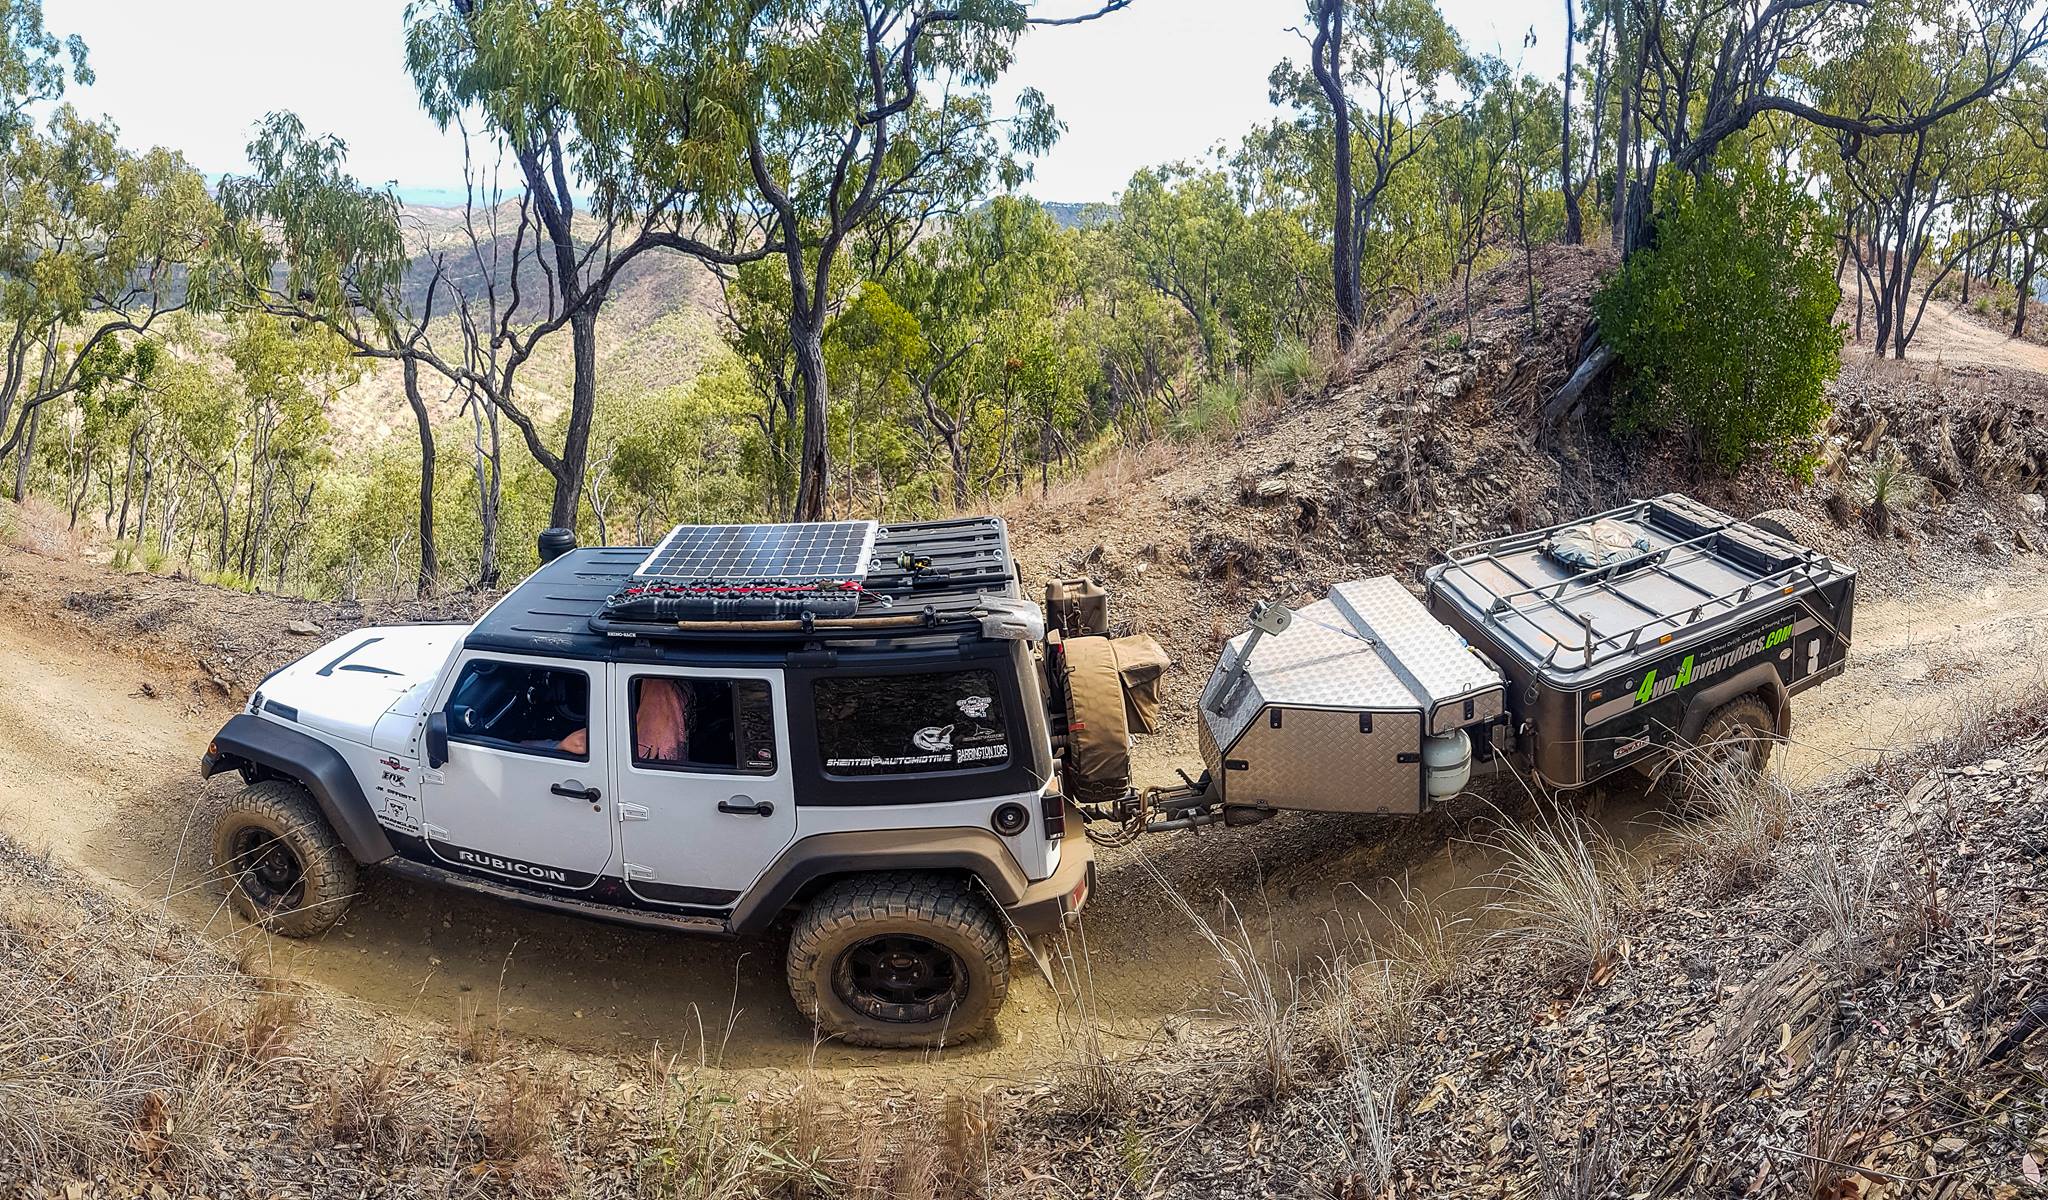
x=102, y=775
x=1947, y=336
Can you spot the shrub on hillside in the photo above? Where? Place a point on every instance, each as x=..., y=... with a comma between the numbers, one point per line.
x=1725, y=325
x=1288, y=369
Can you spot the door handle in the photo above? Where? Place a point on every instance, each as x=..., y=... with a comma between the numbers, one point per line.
x=572, y=793
x=741, y=806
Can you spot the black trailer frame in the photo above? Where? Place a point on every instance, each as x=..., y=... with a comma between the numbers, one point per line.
x=1621, y=665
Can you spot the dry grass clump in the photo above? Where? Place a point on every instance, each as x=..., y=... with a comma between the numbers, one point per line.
x=1376, y=979
x=1260, y=998
x=1562, y=891
x=1359, y=1121
x=1091, y=1082
x=118, y=1046
x=1735, y=829
x=39, y=527
x=1847, y=904
x=811, y=1143
x=1989, y=723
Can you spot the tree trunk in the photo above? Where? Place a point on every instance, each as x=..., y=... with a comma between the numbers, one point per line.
x=957, y=452
x=489, y=491
x=582, y=409
x=430, y=558
x=1328, y=54
x=1623, y=119
x=28, y=450
x=142, y=502
x=84, y=485
x=2023, y=291
x=127, y=485
x=1574, y=233
x=807, y=339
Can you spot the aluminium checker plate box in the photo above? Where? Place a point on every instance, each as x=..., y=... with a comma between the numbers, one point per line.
x=1330, y=715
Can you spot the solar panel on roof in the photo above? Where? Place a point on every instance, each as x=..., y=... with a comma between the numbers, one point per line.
x=832, y=550
x=750, y=572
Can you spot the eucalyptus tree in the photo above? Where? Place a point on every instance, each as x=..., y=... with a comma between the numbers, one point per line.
x=1376, y=71
x=1693, y=75
x=1179, y=225
x=315, y=244
x=989, y=375
x=33, y=63
x=854, y=116
x=1916, y=195
x=2024, y=140
x=590, y=99
x=97, y=245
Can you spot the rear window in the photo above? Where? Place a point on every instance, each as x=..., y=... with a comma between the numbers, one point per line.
x=901, y=724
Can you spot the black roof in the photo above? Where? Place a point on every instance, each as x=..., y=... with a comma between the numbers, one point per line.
x=557, y=611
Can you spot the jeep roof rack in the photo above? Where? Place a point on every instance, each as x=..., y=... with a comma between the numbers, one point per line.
x=926, y=579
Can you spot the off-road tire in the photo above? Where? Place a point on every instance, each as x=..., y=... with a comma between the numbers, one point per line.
x=951, y=914
x=327, y=873
x=1743, y=725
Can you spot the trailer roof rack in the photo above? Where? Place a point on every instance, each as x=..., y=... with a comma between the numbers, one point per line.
x=1700, y=565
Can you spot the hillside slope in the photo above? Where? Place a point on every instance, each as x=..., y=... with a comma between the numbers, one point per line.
x=1505, y=1071
x=1432, y=438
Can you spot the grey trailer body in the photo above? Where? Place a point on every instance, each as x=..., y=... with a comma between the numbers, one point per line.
x=1582, y=649
x=1618, y=666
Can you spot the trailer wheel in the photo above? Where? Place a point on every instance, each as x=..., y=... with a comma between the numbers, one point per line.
x=285, y=868
x=1732, y=746
x=900, y=960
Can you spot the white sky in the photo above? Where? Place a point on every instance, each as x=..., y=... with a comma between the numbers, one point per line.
x=1162, y=80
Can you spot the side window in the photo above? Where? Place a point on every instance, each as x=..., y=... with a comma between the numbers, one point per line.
x=900, y=724
x=717, y=725
x=518, y=706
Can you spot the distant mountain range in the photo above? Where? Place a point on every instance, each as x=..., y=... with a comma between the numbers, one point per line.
x=659, y=328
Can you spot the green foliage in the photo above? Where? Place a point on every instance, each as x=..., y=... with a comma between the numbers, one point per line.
x=1288, y=369
x=32, y=62
x=1214, y=410
x=1726, y=325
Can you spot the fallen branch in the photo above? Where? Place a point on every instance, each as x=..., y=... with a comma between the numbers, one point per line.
x=1566, y=400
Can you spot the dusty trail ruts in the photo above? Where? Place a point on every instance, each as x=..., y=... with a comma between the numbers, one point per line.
x=104, y=776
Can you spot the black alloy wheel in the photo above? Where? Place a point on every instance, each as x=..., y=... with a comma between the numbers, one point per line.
x=268, y=870
x=900, y=978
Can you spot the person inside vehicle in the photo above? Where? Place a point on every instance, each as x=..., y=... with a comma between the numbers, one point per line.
x=662, y=709
x=661, y=723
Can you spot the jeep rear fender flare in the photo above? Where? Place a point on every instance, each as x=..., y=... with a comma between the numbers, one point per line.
x=264, y=748
x=825, y=856
x=1762, y=679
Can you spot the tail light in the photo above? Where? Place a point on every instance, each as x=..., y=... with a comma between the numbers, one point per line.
x=1053, y=807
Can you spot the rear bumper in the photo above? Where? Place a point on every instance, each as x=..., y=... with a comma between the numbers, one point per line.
x=1046, y=904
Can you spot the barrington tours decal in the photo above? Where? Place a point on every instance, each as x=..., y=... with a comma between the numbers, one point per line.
x=1659, y=682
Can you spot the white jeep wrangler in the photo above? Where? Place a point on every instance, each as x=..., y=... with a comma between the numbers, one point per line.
x=704, y=738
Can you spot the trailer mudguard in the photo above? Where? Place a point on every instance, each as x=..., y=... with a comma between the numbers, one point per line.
x=1761, y=678
x=251, y=744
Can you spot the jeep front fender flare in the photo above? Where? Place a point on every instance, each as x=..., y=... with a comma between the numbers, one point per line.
x=249, y=743
x=960, y=850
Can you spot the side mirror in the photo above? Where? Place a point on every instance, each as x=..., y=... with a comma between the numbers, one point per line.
x=437, y=740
